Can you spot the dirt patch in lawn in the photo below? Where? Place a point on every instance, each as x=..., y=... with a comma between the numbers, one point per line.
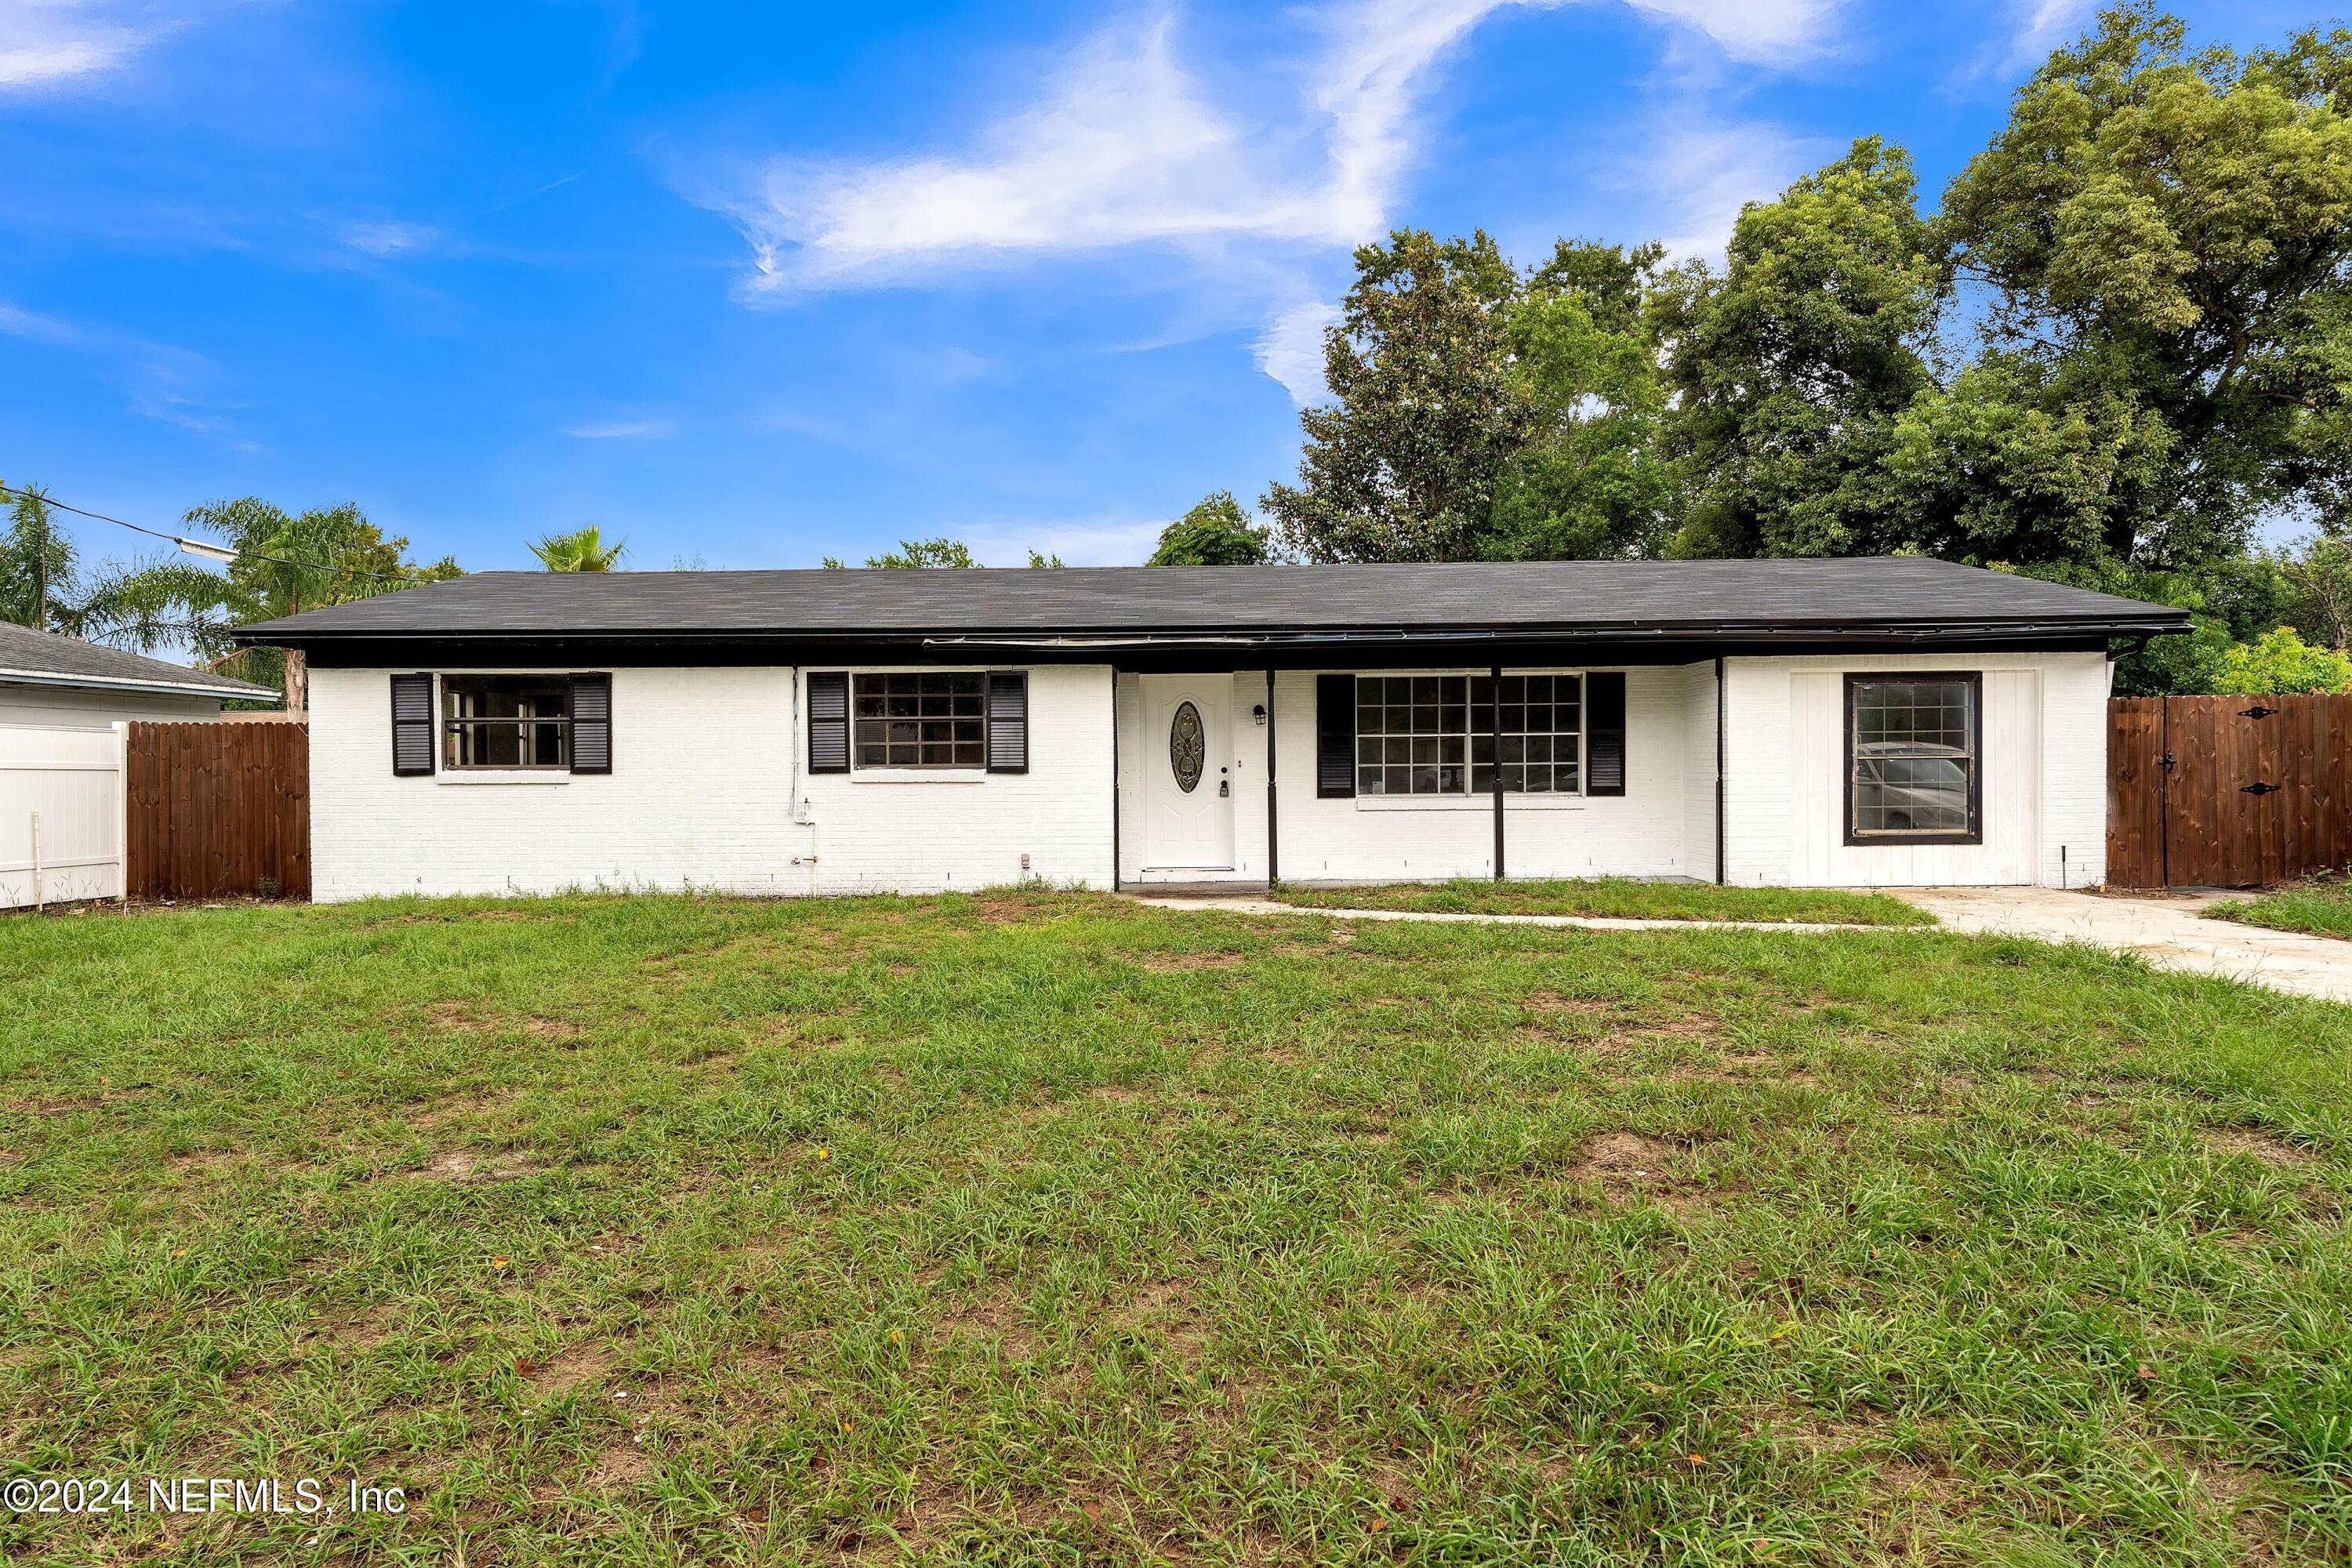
x=2264, y=1146
x=479, y=1165
x=1189, y=963
x=1629, y=1165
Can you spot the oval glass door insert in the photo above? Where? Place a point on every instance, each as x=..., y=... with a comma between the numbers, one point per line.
x=1187, y=746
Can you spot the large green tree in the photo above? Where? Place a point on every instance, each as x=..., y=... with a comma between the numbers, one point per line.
x=1479, y=412
x=1590, y=477
x=2161, y=243
x=1791, y=366
x=1214, y=533
x=1403, y=464
x=287, y=563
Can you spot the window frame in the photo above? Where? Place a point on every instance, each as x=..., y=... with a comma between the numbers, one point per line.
x=919, y=770
x=447, y=726
x=1439, y=735
x=1479, y=725
x=1583, y=733
x=1850, y=759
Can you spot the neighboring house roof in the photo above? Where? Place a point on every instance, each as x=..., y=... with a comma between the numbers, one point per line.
x=29, y=657
x=1751, y=601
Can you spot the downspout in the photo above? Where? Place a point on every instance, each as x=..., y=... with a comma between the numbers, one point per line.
x=1719, y=770
x=1272, y=840
x=1495, y=739
x=797, y=813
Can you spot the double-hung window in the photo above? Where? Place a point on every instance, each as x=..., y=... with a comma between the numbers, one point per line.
x=506, y=722
x=1447, y=734
x=922, y=718
x=1912, y=762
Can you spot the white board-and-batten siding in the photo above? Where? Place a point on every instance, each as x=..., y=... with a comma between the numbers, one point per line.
x=709, y=790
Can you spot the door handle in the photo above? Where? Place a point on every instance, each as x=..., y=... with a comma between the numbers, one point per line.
x=2258, y=789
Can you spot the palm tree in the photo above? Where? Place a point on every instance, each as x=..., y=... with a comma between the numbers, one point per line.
x=142, y=605
x=581, y=550
x=289, y=563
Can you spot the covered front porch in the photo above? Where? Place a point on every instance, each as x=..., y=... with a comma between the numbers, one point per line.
x=1239, y=777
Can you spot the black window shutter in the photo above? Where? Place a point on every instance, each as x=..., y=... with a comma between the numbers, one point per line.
x=1334, y=736
x=412, y=725
x=1605, y=728
x=828, y=740
x=1008, y=721
x=591, y=722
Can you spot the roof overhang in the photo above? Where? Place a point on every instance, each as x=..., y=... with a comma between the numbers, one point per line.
x=225, y=692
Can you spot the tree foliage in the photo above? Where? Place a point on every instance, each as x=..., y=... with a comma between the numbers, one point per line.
x=287, y=563
x=144, y=604
x=1483, y=412
x=1404, y=465
x=2167, y=241
x=581, y=550
x=1214, y=533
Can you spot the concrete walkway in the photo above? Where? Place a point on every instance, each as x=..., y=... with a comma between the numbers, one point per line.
x=2169, y=931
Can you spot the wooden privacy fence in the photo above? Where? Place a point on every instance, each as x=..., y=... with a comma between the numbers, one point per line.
x=218, y=809
x=2227, y=792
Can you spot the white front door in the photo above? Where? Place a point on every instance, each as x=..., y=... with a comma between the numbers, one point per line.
x=1188, y=772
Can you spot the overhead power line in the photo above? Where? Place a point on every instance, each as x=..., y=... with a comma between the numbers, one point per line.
x=203, y=548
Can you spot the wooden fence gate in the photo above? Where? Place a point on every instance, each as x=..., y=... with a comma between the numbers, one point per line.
x=2227, y=792
x=218, y=809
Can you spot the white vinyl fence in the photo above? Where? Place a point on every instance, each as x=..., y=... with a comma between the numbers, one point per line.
x=62, y=802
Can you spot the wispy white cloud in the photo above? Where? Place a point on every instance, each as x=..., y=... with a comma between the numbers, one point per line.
x=1103, y=541
x=1124, y=146
x=623, y=430
x=385, y=237
x=2039, y=26
x=1711, y=171
x=158, y=380
x=1290, y=349
x=1766, y=30
x=45, y=43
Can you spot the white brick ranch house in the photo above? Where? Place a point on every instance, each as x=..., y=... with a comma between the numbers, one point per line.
x=1844, y=723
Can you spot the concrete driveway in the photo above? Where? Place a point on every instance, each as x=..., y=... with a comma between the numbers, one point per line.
x=2169, y=930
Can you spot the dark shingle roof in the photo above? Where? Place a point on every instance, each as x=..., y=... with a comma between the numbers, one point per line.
x=1565, y=598
x=54, y=660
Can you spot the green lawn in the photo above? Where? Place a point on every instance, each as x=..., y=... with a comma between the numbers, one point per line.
x=1617, y=898
x=1056, y=1228
x=2322, y=907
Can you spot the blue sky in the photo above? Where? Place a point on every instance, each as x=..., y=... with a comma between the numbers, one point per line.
x=748, y=285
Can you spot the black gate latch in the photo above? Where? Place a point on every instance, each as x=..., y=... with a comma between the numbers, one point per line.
x=2258, y=789
x=2168, y=763
x=2256, y=712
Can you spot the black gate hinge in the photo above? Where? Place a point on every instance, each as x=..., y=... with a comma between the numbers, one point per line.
x=2258, y=789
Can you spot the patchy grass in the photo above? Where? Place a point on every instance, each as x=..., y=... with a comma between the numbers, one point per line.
x=1618, y=898
x=1056, y=1228
x=2321, y=906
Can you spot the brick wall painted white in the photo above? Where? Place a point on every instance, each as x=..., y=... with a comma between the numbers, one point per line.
x=700, y=795
x=695, y=801
x=1375, y=839
x=927, y=835
x=2045, y=768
